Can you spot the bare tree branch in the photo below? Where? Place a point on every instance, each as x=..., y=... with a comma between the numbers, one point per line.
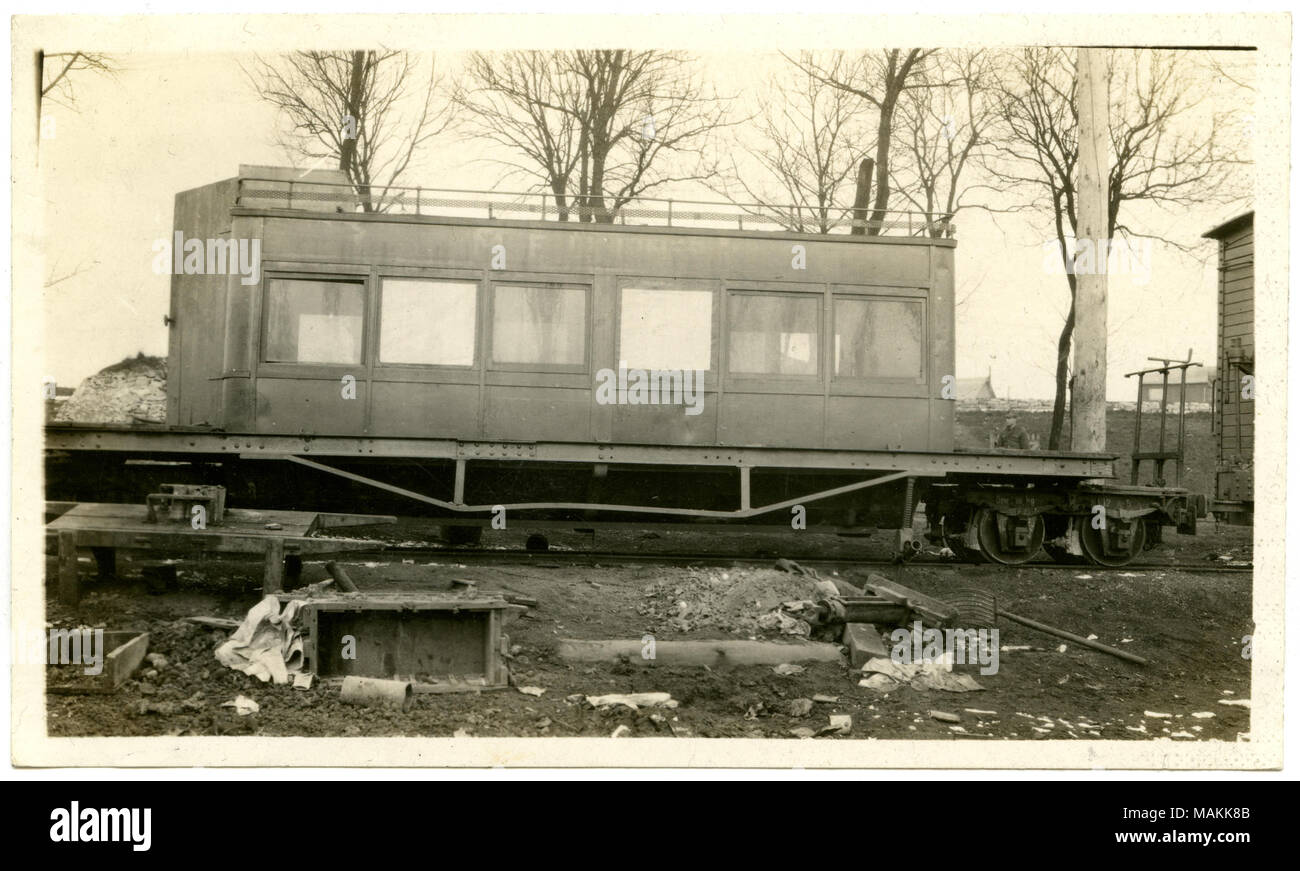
x=596, y=128
x=365, y=111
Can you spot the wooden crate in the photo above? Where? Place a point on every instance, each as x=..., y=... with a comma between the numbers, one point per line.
x=430, y=641
x=125, y=651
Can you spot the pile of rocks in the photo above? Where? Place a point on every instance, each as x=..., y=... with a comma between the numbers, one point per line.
x=132, y=391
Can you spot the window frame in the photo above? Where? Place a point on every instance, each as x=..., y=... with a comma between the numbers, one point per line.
x=472, y=278
x=775, y=382
x=489, y=328
x=709, y=286
x=359, y=276
x=850, y=382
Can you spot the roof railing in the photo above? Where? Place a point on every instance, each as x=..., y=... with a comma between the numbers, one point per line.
x=319, y=196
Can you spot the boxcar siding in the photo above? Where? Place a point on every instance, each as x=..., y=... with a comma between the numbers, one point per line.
x=198, y=308
x=1235, y=415
x=527, y=402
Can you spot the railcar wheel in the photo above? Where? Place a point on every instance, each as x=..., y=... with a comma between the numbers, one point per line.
x=1006, y=539
x=1116, y=545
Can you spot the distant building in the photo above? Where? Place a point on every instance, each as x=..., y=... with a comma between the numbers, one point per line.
x=976, y=388
x=1200, y=387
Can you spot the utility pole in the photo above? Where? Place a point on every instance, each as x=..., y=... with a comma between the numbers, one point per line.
x=1088, y=408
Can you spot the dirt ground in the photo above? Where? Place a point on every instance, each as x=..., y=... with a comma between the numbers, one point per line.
x=1187, y=621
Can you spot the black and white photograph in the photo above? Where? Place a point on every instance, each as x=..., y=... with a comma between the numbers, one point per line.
x=465, y=391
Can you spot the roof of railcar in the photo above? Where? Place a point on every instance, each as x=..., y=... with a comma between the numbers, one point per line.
x=1227, y=228
x=312, y=198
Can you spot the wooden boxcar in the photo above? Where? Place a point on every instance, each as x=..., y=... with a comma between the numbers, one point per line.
x=1234, y=399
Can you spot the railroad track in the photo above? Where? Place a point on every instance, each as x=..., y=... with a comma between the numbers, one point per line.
x=553, y=558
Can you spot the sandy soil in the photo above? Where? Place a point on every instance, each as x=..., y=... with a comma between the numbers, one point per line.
x=1188, y=623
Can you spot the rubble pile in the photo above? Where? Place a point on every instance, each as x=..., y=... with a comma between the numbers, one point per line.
x=739, y=601
x=132, y=391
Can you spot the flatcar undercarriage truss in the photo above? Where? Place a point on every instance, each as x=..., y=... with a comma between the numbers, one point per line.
x=999, y=506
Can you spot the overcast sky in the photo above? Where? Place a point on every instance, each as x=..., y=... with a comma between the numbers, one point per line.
x=171, y=122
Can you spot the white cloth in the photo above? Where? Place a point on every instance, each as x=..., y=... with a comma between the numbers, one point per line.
x=267, y=645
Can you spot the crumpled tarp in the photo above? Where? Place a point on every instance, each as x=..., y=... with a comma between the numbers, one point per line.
x=267, y=645
x=884, y=676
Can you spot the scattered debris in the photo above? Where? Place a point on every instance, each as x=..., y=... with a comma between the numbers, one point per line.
x=885, y=676
x=839, y=724
x=266, y=645
x=633, y=700
x=243, y=705
x=799, y=708
x=621, y=731
x=214, y=622
x=1203, y=715
x=341, y=577
x=864, y=642
x=824, y=699
x=377, y=691
x=944, y=717
x=881, y=683
x=787, y=668
x=1156, y=715
x=303, y=680
x=532, y=691
x=1245, y=703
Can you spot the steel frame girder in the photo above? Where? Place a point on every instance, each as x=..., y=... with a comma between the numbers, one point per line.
x=919, y=463
x=745, y=511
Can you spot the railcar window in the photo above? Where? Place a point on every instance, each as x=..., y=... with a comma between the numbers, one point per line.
x=666, y=329
x=429, y=323
x=879, y=338
x=542, y=325
x=772, y=335
x=314, y=321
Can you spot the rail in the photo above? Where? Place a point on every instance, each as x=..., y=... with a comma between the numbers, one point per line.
x=318, y=196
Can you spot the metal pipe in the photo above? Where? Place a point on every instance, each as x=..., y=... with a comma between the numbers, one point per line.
x=376, y=691
x=1137, y=432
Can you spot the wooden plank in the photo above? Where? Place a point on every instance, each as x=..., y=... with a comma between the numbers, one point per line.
x=124, y=660
x=341, y=521
x=69, y=583
x=273, y=576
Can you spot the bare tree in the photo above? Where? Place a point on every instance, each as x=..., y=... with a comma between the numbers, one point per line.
x=944, y=130
x=596, y=128
x=879, y=78
x=522, y=101
x=367, y=111
x=58, y=72
x=802, y=150
x=1165, y=152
